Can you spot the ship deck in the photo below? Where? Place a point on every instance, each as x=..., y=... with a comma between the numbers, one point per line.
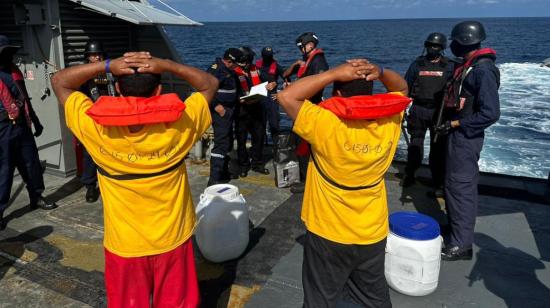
x=55, y=258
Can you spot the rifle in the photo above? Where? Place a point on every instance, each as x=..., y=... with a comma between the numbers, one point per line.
x=439, y=119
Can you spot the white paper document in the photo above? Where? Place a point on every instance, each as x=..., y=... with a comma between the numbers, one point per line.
x=257, y=93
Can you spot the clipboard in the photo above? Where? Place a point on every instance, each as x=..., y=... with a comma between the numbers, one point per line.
x=257, y=93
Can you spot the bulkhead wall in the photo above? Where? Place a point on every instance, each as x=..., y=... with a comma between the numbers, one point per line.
x=53, y=35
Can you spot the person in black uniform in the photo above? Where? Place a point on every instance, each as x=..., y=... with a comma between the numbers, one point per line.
x=472, y=105
x=313, y=62
x=222, y=109
x=426, y=78
x=17, y=146
x=270, y=71
x=101, y=85
x=250, y=118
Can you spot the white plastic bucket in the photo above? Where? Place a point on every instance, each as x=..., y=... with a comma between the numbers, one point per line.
x=413, y=254
x=222, y=223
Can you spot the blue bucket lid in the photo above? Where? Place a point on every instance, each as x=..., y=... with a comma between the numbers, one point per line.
x=414, y=226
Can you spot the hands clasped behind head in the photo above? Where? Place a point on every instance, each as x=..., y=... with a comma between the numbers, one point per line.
x=357, y=69
x=132, y=62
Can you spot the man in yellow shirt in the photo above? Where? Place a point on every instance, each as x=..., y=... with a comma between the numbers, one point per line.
x=149, y=214
x=345, y=207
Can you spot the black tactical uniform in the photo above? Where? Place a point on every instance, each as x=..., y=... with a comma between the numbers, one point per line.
x=426, y=78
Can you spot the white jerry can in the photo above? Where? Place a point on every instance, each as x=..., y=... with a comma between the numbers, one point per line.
x=413, y=253
x=222, y=223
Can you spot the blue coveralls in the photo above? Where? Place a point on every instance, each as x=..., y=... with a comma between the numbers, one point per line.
x=17, y=150
x=223, y=126
x=464, y=146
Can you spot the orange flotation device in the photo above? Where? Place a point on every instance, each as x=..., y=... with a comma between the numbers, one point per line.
x=366, y=107
x=124, y=111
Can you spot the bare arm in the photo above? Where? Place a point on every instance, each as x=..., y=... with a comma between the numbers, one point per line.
x=203, y=82
x=69, y=80
x=290, y=70
x=393, y=82
x=293, y=97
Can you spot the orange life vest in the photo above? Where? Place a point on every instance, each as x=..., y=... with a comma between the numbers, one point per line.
x=366, y=107
x=304, y=66
x=124, y=111
x=253, y=74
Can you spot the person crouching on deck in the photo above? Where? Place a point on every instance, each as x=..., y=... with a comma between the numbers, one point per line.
x=344, y=207
x=139, y=141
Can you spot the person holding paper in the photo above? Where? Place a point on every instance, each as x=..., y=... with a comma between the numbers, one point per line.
x=250, y=116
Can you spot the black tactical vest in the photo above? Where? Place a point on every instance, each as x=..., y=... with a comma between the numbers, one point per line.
x=428, y=86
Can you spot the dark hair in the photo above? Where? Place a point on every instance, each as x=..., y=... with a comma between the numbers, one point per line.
x=353, y=88
x=138, y=84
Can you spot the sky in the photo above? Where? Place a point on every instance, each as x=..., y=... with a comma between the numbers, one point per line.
x=285, y=10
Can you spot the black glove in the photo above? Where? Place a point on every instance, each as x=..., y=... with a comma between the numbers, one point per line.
x=443, y=129
x=38, y=128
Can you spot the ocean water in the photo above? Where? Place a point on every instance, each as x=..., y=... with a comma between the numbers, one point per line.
x=518, y=144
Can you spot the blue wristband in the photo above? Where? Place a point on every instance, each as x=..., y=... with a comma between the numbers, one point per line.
x=381, y=71
x=107, y=66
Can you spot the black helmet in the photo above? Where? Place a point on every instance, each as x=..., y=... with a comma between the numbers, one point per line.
x=94, y=47
x=436, y=38
x=267, y=52
x=248, y=55
x=305, y=38
x=468, y=33
x=233, y=54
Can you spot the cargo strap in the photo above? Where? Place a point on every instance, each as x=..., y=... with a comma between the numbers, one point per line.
x=135, y=176
x=333, y=183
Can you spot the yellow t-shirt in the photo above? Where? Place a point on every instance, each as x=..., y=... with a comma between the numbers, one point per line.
x=144, y=216
x=351, y=153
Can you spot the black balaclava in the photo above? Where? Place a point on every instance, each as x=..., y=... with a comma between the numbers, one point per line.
x=433, y=52
x=461, y=50
x=267, y=60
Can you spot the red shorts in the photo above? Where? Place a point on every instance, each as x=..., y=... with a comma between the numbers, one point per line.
x=164, y=280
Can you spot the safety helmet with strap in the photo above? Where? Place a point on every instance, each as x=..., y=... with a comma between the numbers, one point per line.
x=305, y=38
x=468, y=33
x=436, y=38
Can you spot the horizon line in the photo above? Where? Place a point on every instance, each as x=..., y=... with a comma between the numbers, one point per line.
x=369, y=19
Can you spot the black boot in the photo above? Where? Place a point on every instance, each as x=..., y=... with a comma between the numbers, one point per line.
x=454, y=253
x=43, y=203
x=92, y=193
